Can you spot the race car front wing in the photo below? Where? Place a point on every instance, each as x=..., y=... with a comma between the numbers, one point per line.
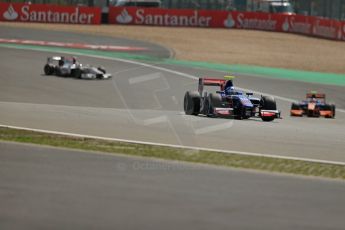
x=260, y=113
x=270, y=113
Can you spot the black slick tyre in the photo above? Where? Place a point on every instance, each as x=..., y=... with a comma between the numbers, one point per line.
x=268, y=103
x=333, y=110
x=214, y=101
x=48, y=70
x=76, y=73
x=191, y=103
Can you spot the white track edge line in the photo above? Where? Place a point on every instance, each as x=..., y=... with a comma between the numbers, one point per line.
x=175, y=146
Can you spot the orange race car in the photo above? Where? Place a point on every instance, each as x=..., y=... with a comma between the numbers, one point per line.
x=314, y=106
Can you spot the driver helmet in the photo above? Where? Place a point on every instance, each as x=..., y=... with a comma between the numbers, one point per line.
x=230, y=90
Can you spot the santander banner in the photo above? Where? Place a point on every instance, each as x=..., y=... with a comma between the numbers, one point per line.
x=312, y=26
x=44, y=13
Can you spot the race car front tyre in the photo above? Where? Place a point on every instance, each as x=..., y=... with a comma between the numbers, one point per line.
x=330, y=108
x=76, y=73
x=48, y=70
x=295, y=106
x=333, y=110
x=213, y=101
x=268, y=103
x=191, y=103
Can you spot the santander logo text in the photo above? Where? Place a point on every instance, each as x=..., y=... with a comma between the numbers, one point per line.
x=256, y=23
x=48, y=13
x=50, y=16
x=324, y=31
x=291, y=24
x=162, y=18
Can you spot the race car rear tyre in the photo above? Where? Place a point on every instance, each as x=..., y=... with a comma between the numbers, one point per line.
x=268, y=103
x=191, y=103
x=48, y=70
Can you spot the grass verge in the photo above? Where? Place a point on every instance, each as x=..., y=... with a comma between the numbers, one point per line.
x=168, y=153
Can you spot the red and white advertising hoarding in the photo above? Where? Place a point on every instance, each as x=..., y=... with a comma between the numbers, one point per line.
x=162, y=17
x=20, y=12
x=300, y=24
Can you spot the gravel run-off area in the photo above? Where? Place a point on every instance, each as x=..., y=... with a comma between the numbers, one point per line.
x=246, y=47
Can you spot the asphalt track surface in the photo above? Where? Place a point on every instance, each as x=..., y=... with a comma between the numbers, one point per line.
x=40, y=189
x=145, y=103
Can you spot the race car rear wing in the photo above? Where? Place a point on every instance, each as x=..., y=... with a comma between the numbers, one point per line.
x=210, y=82
x=54, y=58
x=316, y=95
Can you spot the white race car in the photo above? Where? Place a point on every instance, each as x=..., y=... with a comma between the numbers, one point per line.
x=69, y=67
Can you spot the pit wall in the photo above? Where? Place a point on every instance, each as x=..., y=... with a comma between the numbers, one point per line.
x=45, y=13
